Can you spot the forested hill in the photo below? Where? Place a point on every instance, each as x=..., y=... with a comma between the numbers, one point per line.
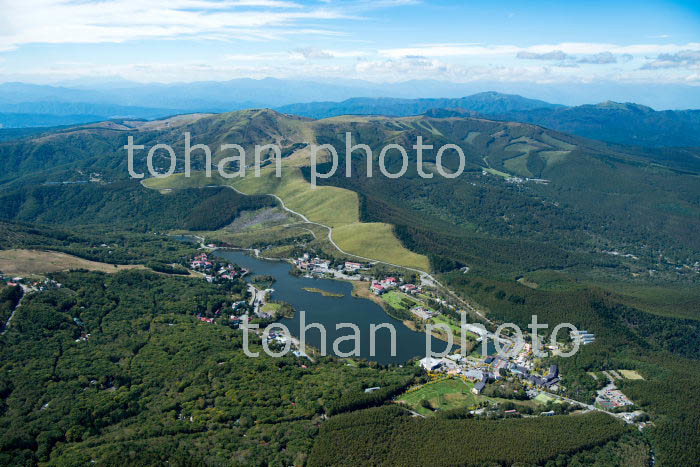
x=568, y=228
x=588, y=197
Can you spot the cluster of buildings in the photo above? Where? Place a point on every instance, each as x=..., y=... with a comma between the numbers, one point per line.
x=493, y=368
x=410, y=289
x=382, y=286
x=29, y=284
x=479, y=372
x=610, y=398
x=582, y=337
x=550, y=381
x=214, y=271
x=423, y=312
x=519, y=180
x=11, y=281
x=316, y=265
x=201, y=262
x=351, y=267
x=313, y=265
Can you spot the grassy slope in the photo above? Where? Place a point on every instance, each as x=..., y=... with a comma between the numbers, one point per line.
x=33, y=262
x=332, y=206
x=377, y=240
x=326, y=205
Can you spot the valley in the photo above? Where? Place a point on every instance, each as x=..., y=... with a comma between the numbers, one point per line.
x=529, y=228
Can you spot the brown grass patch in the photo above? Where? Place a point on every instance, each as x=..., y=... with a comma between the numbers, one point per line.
x=36, y=262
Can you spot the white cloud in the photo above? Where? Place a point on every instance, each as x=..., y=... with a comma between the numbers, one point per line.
x=74, y=21
x=312, y=53
x=602, y=58
x=567, y=48
x=681, y=59
x=553, y=55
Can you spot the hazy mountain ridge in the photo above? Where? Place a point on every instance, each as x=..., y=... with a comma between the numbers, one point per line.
x=623, y=123
x=627, y=123
x=485, y=102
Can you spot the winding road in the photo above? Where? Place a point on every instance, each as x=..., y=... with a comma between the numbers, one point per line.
x=25, y=289
x=425, y=276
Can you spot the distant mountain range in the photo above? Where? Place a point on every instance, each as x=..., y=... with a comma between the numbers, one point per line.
x=622, y=123
x=27, y=105
x=484, y=102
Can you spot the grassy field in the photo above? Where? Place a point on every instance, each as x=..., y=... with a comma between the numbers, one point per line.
x=518, y=165
x=326, y=205
x=252, y=238
x=630, y=374
x=395, y=298
x=544, y=398
x=179, y=181
x=332, y=206
x=35, y=262
x=456, y=331
x=443, y=395
x=497, y=172
x=377, y=241
x=454, y=393
x=272, y=308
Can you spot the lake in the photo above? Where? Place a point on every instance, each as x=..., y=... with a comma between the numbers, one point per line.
x=329, y=311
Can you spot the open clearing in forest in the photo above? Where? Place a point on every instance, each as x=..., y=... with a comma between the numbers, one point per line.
x=37, y=262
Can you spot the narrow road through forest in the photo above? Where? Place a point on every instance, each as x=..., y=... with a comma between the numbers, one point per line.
x=25, y=289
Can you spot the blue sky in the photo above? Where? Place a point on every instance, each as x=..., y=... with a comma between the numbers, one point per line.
x=52, y=41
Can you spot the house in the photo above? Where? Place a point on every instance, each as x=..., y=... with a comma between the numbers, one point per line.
x=479, y=387
x=352, y=267
x=584, y=337
x=431, y=364
x=423, y=313
x=377, y=288
x=391, y=281
x=536, y=380
x=409, y=288
x=474, y=375
x=322, y=266
x=205, y=319
x=551, y=383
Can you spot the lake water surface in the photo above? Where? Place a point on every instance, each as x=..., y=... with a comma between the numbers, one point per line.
x=330, y=311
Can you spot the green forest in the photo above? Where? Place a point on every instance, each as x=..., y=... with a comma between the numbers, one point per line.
x=116, y=368
x=153, y=383
x=390, y=436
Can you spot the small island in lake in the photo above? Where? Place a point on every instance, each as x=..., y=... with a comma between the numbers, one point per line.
x=325, y=293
